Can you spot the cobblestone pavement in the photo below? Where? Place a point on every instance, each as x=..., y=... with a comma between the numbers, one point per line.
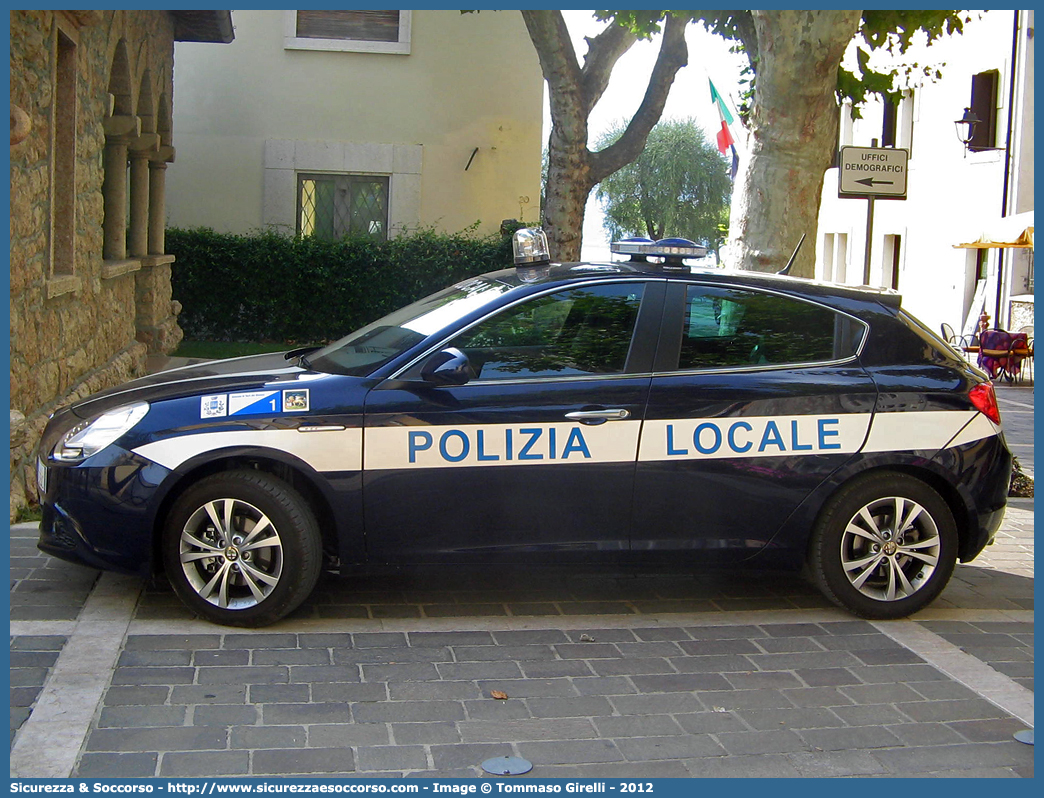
x=742, y=674
x=1016, y=403
x=32, y=658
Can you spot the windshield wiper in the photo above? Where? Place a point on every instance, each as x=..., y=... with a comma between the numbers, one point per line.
x=300, y=353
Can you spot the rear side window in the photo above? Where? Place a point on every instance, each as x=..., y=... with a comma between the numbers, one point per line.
x=729, y=328
x=933, y=348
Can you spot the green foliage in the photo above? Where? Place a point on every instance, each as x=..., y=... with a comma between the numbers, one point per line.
x=270, y=286
x=1021, y=483
x=895, y=32
x=644, y=23
x=678, y=186
x=219, y=350
x=27, y=515
x=892, y=30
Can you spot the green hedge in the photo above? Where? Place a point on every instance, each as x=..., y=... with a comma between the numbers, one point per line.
x=274, y=287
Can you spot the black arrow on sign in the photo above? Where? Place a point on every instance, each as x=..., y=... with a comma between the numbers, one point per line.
x=869, y=181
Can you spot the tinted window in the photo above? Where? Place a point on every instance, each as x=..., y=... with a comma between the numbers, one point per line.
x=579, y=331
x=725, y=328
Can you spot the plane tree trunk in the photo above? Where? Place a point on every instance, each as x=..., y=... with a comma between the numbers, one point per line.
x=793, y=129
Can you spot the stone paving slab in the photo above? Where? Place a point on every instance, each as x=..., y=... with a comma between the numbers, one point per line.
x=1016, y=406
x=44, y=588
x=1007, y=647
x=32, y=660
x=1001, y=578
x=393, y=723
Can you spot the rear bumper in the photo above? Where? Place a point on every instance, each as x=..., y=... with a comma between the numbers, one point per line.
x=984, y=487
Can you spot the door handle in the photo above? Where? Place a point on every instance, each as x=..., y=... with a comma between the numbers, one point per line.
x=597, y=416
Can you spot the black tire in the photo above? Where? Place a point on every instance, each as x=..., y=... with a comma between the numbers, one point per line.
x=906, y=572
x=260, y=573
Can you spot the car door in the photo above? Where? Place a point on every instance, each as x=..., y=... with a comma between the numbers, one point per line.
x=756, y=399
x=535, y=454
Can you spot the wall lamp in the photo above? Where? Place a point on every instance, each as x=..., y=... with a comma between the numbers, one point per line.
x=966, y=128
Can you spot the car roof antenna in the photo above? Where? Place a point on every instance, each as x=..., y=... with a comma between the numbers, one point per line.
x=786, y=269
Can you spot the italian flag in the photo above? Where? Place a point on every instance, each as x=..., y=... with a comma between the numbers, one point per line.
x=725, y=139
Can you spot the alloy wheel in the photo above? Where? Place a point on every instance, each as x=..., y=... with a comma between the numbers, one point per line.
x=890, y=548
x=231, y=553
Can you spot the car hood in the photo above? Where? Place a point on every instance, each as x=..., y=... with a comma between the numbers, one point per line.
x=204, y=377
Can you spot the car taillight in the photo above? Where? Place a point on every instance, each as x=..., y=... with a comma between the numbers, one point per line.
x=985, y=401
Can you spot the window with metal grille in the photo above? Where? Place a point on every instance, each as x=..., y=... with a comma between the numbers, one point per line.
x=334, y=206
x=352, y=31
x=368, y=26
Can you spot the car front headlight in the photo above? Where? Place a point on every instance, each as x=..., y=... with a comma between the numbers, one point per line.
x=91, y=436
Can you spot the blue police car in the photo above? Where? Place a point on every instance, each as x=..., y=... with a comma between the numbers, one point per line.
x=640, y=412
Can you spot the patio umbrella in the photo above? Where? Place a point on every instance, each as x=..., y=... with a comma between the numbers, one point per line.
x=1008, y=232
x=1014, y=232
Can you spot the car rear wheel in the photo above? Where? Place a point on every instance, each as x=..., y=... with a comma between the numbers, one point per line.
x=884, y=547
x=242, y=548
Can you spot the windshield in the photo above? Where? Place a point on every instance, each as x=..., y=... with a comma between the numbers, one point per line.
x=365, y=350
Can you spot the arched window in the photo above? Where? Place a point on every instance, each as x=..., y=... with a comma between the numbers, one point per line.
x=158, y=176
x=63, y=163
x=141, y=148
x=120, y=125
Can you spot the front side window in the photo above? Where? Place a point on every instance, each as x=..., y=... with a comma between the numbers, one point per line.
x=729, y=328
x=579, y=331
x=334, y=206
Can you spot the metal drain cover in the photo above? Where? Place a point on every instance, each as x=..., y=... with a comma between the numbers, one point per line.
x=507, y=766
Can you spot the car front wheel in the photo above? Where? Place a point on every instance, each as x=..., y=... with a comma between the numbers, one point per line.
x=884, y=546
x=242, y=548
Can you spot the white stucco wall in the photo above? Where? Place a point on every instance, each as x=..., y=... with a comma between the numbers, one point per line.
x=949, y=195
x=469, y=80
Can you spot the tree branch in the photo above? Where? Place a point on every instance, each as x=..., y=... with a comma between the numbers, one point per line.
x=673, y=55
x=603, y=51
x=559, y=65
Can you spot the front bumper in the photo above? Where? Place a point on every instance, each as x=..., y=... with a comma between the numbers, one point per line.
x=101, y=512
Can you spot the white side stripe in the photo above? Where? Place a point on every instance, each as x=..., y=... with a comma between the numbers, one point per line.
x=488, y=445
x=339, y=450
x=928, y=431
x=978, y=428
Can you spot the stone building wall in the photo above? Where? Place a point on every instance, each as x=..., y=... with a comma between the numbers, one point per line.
x=81, y=321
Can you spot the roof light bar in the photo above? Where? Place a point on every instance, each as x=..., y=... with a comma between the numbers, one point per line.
x=673, y=250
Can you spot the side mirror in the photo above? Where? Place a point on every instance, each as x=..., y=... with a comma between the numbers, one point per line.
x=448, y=367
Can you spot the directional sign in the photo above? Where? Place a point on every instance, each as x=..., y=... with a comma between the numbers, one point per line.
x=878, y=172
